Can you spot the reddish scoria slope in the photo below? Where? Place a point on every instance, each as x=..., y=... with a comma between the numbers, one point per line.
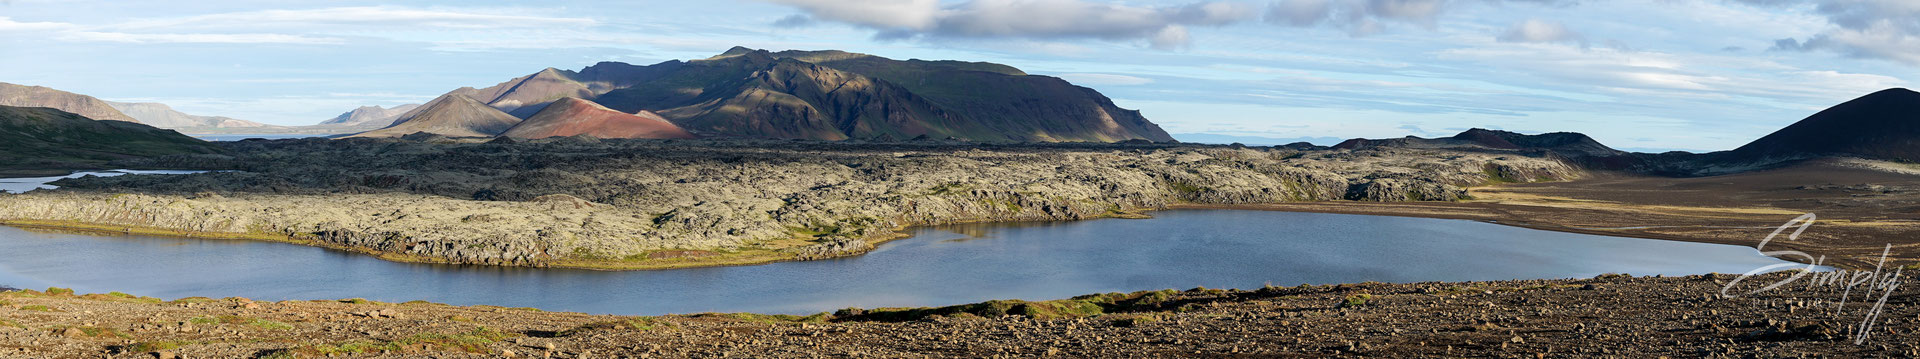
x=573, y=116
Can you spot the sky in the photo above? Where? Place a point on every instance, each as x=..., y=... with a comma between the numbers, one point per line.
x=1655, y=75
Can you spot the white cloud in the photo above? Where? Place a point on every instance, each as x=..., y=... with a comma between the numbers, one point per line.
x=199, y=38
x=361, y=18
x=8, y=25
x=1087, y=79
x=1535, y=30
x=1884, y=29
x=1163, y=27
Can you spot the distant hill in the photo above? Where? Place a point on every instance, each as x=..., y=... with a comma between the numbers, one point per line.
x=1253, y=140
x=163, y=116
x=36, y=96
x=451, y=115
x=833, y=95
x=1565, y=143
x=375, y=116
x=44, y=138
x=572, y=116
x=1881, y=125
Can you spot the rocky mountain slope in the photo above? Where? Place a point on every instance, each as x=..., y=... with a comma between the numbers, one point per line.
x=453, y=115
x=375, y=116
x=832, y=95
x=39, y=138
x=83, y=105
x=163, y=116
x=573, y=117
x=621, y=203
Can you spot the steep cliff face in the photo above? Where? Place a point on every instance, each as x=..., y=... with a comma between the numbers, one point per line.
x=36, y=96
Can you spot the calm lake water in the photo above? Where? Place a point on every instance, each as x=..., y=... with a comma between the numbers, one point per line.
x=217, y=138
x=938, y=266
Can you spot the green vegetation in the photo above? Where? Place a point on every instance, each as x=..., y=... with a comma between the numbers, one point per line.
x=1356, y=299
x=270, y=325
x=359, y=301
x=59, y=291
x=143, y=347
x=37, y=308
x=9, y=323
x=640, y=324
x=1134, y=321
x=473, y=341
x=44, y=138
x=1078, y=307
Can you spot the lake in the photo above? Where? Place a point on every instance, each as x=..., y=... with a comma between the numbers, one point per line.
x=939, y=265
x=23, y=184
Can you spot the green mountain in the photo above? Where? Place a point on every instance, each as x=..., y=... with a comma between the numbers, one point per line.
x=834, y=95
x=42, y=138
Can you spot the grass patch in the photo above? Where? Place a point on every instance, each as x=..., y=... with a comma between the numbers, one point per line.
x=767, y=318
x=143, y=347
x=193, y=300
x=36, y=308
x=358, y=301
x=1077, y=307
x=634, y=324
x=91, y=332
x=270, y=325
x=59, y=291
x=473, y=341
x=9, y=323
x=1355, y=300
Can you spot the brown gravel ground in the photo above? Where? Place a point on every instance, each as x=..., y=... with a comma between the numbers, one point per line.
x=1607, y=316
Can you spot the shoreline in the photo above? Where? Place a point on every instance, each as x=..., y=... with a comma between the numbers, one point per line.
x=763, y=256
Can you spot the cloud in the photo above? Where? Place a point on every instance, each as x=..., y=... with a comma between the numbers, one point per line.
x=199, y=38
x=794, y=21
x=8, y=25
x=1162, y=27
x=1086, y=79
x=362, y=17
x=1541, y=31
x=1880, y=29
x=1366, y=17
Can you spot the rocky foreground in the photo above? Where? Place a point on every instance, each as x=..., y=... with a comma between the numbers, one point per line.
x=642, y=204
x=1606, y=316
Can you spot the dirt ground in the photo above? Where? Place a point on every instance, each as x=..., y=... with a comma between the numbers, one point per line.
x=1859, y=210
x=1607, y=316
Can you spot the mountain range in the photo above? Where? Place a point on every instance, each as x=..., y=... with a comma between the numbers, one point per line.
x=1884, y=125
x=163, y=116
x=153, y=114
x=370, y=115
x=821, y=95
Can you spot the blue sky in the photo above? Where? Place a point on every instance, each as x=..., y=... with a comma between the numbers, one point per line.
x=1639, y=74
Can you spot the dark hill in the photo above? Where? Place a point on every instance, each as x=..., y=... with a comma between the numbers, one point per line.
x=43, y=138
x=1881, y=125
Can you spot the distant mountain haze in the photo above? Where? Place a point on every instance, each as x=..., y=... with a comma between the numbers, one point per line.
x=36, y=96
x=163, y=116
x=828, y=95
x=370, y=115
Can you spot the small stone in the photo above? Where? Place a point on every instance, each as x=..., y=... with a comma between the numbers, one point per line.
x=164, y=355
